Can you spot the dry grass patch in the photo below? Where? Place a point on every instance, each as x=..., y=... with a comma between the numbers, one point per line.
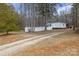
x=16, y=36
x=12, y=37
x=64, y=44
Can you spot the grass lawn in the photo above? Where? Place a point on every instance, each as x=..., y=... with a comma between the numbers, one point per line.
x=16, y=36
x=64, y=44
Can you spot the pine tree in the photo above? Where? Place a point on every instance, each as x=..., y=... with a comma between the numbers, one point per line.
x=8, y=18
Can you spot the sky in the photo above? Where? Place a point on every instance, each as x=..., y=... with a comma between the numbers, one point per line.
x=64, y=7
x=60, y=7
x=17, y=6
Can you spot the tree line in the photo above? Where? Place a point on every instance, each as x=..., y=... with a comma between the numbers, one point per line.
x=37, y=14
x=33, y=15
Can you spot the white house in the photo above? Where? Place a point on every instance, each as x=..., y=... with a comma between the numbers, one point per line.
x=50, y=26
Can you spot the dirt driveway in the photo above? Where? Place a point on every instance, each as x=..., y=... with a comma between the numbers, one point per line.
x=16, y=36
x=17, y=46
x=64, y=44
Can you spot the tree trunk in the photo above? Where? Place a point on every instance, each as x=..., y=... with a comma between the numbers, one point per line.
x=45, y=23
x=75, y=17
x=73, y=22
x=73, y=26
x=7, y=32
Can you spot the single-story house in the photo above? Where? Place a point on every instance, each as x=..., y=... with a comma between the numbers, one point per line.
x=56, y=25
x=50, y=26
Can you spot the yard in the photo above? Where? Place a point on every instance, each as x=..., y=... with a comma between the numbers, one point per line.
x=56, y=40
x=16, y=36
x=64, y=44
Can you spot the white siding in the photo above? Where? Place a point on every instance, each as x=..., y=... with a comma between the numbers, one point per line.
x=49, y=27
x=39, y=28
x=57, y=25
x=27, y=29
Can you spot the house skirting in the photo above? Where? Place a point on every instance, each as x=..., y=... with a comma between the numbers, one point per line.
x=34, y=29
